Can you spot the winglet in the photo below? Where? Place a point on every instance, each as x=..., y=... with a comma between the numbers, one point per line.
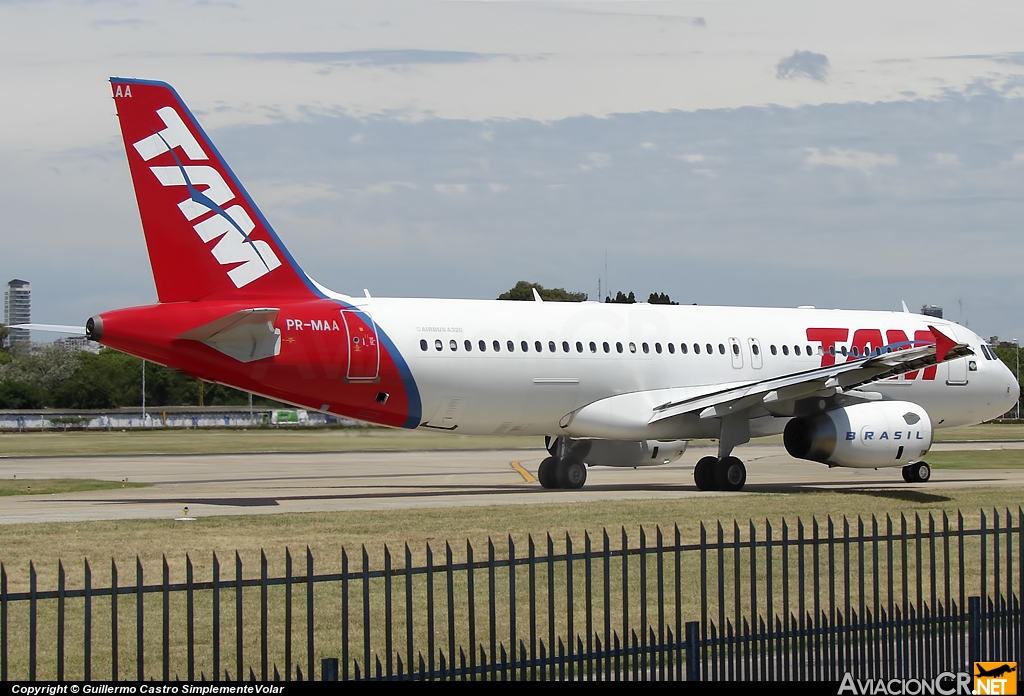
x=536, y=296
x=943, y=344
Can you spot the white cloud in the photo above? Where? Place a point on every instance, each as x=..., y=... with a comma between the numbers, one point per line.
x=596, y=160
x=856, y=160
x=692, y=158
x=498, y=188
x=452, y=189
x=946, y=159
x=648, y=146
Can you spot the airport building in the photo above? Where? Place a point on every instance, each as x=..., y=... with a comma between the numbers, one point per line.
x=18, y=309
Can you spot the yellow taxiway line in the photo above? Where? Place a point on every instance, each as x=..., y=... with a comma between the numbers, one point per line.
x=527, y=476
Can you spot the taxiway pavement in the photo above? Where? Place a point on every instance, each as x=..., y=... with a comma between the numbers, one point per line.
x=235, y=484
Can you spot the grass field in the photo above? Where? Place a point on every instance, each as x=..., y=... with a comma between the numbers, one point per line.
x=64, y=485
x=326, y=440
x=245, y=441
x=326, y=534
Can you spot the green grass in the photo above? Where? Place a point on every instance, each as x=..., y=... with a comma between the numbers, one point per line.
x=60, y=485
x=977, y=459
x=245, y=441
x=326, y=534
x=328, y=440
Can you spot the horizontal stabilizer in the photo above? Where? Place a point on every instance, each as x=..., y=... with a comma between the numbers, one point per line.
x=52, y=328
x=246, y=335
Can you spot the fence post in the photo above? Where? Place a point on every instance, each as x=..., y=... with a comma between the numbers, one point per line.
x=974, y=628
x=692, y=651
x=329, y=669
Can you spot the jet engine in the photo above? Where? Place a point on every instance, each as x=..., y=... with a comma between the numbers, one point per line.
x=622, y=453
x=870, y=435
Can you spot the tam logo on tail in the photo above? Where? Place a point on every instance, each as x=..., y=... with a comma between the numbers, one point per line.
x=232, y=225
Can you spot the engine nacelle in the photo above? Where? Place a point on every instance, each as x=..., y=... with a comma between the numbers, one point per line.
x=871, y=435
x=624, y=453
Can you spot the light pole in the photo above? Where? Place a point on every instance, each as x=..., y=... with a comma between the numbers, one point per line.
x=1016, y=344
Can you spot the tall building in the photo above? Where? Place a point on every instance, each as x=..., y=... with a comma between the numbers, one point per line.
x=930, y=310
x=18, y=309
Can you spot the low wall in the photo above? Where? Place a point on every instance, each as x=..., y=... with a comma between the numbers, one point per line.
x=159, y=418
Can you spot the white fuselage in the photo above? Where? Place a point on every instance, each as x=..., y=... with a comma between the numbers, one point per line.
x=475, y=377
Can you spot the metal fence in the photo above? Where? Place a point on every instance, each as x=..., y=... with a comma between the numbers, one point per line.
x=875, y=598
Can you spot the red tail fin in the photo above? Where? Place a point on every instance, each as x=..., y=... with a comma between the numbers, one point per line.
x=206, y=238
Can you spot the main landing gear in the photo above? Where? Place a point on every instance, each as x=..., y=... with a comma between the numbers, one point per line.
x=569, y=473
x=918, y=472
x=714, y=474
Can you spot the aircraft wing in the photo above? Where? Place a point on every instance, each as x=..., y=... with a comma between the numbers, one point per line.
x=825, y=381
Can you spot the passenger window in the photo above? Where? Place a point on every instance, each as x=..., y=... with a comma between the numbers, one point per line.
x=497, y=347
x=721, y=349
x=607, y=349
x=579, y=347
x=469, y=346
x=483, y=346
x=657, y=348
x=809, y=351
x=671, y=348
x=844, y=351
x=831, y=350
x=618, y=346
x=511, y=347
x=856, y=352
x=710, y=349
x=565, y=346
x=735, y=349
x=632, y=347
x=438, y=345
x=754, y=349
x=696, y=349
x=683, y=348
x=593, y=347
x=551, y=346
x=525, y=346
x=785, y=350
x=538, y=346
x=774, y=351
x=423, y=344
x=453, y=344
x=796, y=350
x=647, y=349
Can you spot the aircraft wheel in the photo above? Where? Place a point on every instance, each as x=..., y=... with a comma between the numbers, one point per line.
x=704, y=474
x=730, y=474
x=908, y=473
x=572, y=474
x=547, y=473
x=922, y=472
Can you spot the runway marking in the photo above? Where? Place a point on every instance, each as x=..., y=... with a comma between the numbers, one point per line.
x=527, y=476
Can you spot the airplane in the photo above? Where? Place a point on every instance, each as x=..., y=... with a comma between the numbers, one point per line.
x=995, y=671
x=604, y=384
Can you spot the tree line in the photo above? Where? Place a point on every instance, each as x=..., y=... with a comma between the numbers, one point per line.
x=523, y=290
x=56, y=377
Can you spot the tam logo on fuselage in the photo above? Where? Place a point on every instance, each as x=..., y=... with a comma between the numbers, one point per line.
x=230, y=226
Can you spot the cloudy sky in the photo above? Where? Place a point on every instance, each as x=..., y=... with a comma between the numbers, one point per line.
x=765, y=153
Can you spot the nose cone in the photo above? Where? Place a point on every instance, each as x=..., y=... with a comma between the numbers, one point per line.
x=1012, y=389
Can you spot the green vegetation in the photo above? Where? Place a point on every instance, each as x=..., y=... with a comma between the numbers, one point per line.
x=523, y=290
x=57, y=377
x=653, y=298
x=978, y=459
x=239, y=441
x=63, y=485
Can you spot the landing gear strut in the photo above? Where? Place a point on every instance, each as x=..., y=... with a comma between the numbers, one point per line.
x=918, y=472
x=714, y=474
